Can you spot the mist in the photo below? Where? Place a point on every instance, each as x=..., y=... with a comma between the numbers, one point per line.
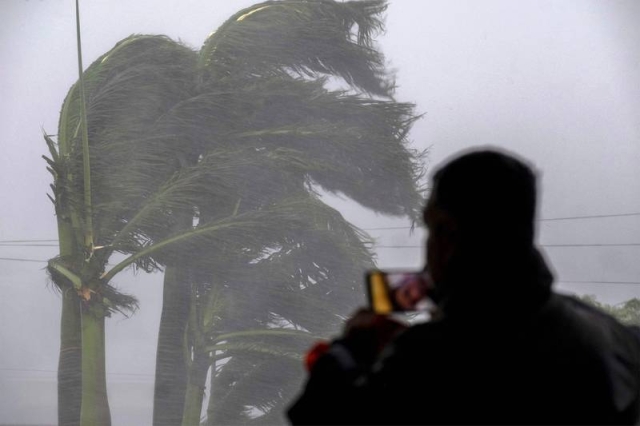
x=556, y=83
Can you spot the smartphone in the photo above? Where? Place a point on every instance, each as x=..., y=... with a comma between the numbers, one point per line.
x=398, y=291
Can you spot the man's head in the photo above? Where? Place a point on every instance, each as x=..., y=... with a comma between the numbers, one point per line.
x=480, y=213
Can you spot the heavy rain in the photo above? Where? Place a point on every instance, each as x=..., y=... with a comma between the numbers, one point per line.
x=245, y=164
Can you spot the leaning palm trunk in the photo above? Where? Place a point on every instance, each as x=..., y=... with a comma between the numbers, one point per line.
x=198, y=365
x=195, y=390
x=171, y=363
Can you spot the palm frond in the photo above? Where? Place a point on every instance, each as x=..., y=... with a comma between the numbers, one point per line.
x=304, y=37
x=116, y=301
x=127, y=90
x=206, y=162
x=247, y=235
x=273, y=341
x=262, y=382
x=345, y=143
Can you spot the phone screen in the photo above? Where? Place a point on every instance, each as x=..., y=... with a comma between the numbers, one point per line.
x=398, y=291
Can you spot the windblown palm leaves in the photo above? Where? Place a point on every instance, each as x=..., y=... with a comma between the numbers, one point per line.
x=129, y=157
x=206, y=164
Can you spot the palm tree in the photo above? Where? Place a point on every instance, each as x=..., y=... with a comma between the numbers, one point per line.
x=206, y=164
x=270, y=65
x=104, y=172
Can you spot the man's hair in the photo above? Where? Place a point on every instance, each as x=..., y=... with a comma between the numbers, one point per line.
x=491, y=195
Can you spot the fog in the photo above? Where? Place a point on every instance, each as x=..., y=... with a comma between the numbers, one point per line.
x=555, y=82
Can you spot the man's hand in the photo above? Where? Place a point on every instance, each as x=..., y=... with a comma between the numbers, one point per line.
x=367, y=333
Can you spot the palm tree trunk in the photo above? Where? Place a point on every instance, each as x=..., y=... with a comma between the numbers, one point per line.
x=70, y=362
x=95, y=405
x=195, y=389
x=171, y=365
x=197, y=368
x=211, y=410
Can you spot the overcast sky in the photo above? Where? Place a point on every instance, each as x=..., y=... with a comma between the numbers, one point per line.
x=556, y=82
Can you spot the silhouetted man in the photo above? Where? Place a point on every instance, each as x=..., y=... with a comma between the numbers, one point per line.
x=504, y=348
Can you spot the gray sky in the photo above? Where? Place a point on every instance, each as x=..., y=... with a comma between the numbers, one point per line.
x=556, y=82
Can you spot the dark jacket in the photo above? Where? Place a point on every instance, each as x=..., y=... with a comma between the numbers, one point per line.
x=552, y=361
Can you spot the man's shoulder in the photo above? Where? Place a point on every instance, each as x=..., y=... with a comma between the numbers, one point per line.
x=613, y=348
x=573, y=311
x=561, y=317
x=582, y=328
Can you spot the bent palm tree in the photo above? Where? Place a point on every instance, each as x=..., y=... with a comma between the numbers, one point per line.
x=270, y=66
x=206, y=163
x=101, y=182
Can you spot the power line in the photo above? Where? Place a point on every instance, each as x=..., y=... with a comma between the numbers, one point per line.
x=384, y=228
x=597, y=216
x=559, y=281
x=23, y=260
x=405, y=247
x=26, y=245
x=28, y=370
x=382, y=246
x=541, y=245
x=592, y=245
x=27, y=241
x=600, y=282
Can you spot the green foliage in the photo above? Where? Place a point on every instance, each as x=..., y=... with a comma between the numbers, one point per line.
x=626, y=312
x=207, y=163
x=305, y=37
